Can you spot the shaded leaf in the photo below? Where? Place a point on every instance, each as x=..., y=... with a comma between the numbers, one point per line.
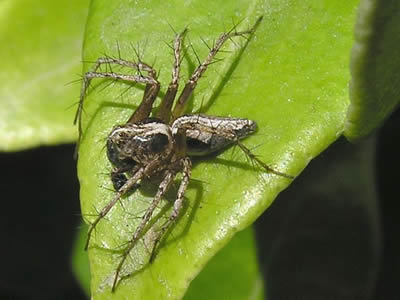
x=375, y=61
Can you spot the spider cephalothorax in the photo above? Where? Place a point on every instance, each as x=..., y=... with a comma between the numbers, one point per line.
x=162, y=145
x=140, y=143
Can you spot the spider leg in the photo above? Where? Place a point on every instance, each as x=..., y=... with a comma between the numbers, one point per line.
x=138, y=174
x=164, y=111
x=149, y=80
x=259, y=162
x=187, y=167
x=192, y=82
x=126, y=187
x=163, y=188
x=144, y=109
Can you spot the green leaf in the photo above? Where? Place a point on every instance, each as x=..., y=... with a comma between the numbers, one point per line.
x=231, y=274
x=234, y=266
x=80, y=261
x=375, y=64
x=291, y=78
x=40, y=50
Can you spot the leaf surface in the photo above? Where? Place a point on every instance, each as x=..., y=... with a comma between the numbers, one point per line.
x=40, y=49
x=375, y=64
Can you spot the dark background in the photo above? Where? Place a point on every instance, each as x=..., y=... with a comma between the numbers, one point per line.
x=39, y=219
x=333, y=234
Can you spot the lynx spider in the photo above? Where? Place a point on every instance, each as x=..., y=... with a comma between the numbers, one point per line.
x=162, y=145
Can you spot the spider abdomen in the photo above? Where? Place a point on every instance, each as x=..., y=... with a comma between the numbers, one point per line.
x=208, y=134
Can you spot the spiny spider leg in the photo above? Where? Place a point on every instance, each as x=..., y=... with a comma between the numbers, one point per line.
x=186, y=173
x=162, y=189
x=131, y=182
x=164, y=112
x=126, y=187
x=192, y=82
x=140, y=66
x=144, y=109
x=262, y=164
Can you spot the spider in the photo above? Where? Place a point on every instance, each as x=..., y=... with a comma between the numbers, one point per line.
x=162, y=145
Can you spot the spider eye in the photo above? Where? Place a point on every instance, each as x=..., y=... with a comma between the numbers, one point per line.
x=158, y=142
